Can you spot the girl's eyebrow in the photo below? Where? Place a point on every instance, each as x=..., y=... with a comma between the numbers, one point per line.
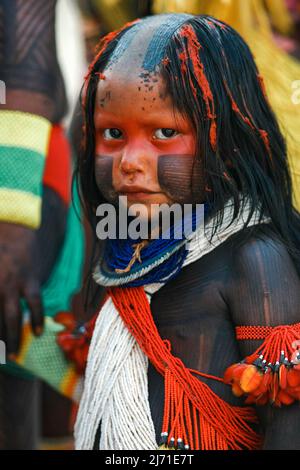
x=148, y=117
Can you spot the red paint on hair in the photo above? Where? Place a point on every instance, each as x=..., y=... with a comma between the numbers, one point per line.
x=265, y=137
x=211, y=24
x=262, y=86
x=104, y=43
x=165, y=61
x=192, y=52
x=236, y=109
x=183, y=59
x=100, y=75
x=213, y=135
x=221, y=25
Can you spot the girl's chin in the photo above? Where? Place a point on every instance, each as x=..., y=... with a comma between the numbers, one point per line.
x=143, y=211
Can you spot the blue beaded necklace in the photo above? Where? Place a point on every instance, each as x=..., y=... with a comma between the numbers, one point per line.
x=119, y=254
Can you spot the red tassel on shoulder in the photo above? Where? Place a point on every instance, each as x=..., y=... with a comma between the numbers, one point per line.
x=272, y=373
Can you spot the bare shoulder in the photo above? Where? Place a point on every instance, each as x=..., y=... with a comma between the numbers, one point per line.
x=261, y=248
x=264, y=283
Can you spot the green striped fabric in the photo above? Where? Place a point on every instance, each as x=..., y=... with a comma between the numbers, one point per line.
x=21, y=169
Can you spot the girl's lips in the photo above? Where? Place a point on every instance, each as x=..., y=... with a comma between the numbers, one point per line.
x=133, y=188
x=135, y=192
x=139, y=195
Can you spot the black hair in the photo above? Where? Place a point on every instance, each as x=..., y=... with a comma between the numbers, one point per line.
x=213, y=80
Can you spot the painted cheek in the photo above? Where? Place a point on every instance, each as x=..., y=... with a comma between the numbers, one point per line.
x=181, y=177
x=104, y=177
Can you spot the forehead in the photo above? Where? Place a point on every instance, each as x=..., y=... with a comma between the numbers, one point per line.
x=143, y=46
x=120, y=85
x=132, y=94
x=132, y=74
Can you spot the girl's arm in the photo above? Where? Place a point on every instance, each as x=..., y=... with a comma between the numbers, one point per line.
x=265, y=290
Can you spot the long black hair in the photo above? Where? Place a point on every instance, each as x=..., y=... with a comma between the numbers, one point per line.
x=212, y=78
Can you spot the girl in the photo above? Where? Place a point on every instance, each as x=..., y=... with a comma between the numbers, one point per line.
x=175, y=112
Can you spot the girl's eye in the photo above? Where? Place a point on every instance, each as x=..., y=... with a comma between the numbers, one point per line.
x=112, y=133
x=165, y=133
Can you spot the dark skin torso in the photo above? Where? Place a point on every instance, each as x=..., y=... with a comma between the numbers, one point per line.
x=251, y=284
x=191, y=312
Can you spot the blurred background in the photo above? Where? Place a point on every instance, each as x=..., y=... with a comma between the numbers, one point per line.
x=32, y=414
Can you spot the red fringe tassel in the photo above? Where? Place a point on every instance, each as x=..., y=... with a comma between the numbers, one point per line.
x=272, y=373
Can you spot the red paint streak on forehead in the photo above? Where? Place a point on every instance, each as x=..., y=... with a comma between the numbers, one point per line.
x=193, y=53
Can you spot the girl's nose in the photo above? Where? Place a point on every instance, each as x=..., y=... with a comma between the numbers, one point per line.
x=133, y=160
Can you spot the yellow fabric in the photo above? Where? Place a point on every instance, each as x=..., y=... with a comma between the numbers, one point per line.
x=20, y=207
x=176, y=6
x=115, y=13
x=279, y=70
x=237, y=13
x=18, y=129
x=280, y=16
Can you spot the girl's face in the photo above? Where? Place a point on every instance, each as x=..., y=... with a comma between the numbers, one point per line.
x=144, y=148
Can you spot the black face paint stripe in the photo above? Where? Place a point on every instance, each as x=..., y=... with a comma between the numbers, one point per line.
x=181, y=177
x=103, y=175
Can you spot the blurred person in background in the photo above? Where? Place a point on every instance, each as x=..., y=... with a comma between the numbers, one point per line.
x=41, y=239
x=102, y=16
